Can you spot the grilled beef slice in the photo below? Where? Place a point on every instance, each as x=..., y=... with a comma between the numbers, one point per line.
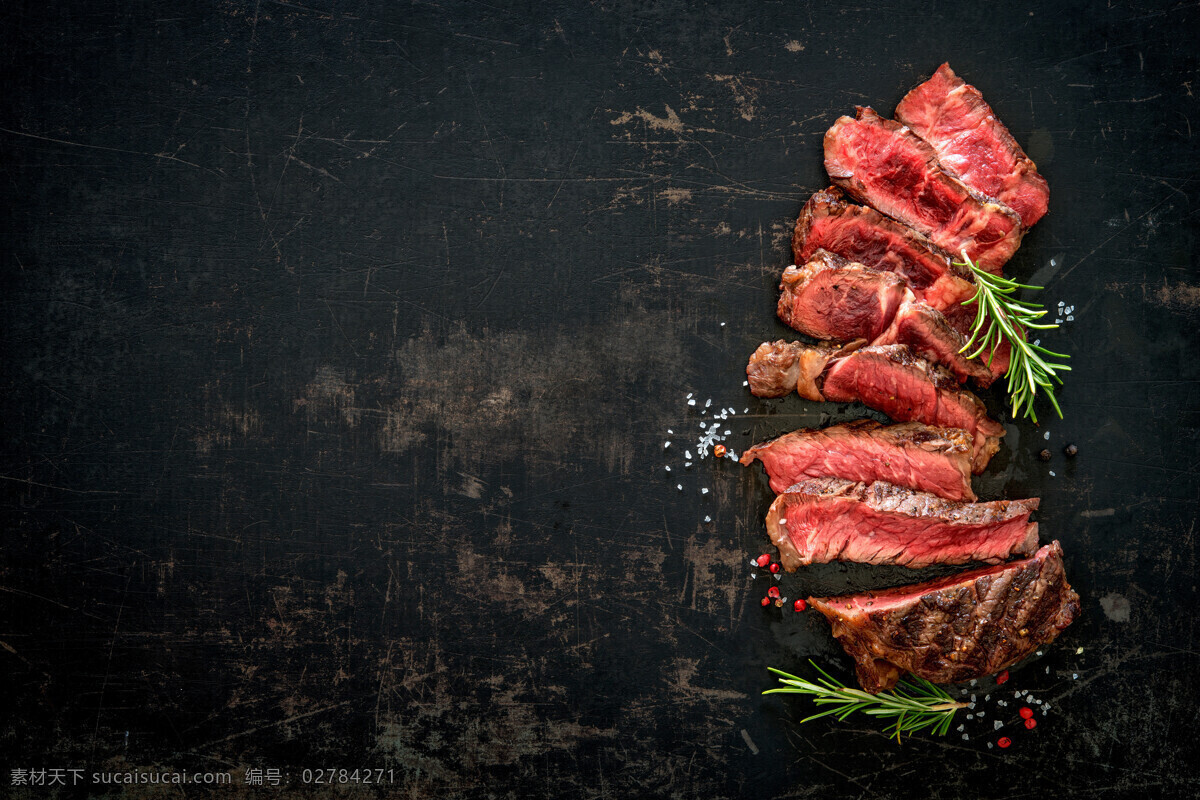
x=884, y=164
x=908, y=388
x=930, y=335
x=954, y=628
x=835, y=299
x=921, y=457
x=833, y=519
x=828, y=221
x=973, y=144
x=777, y=369
x=832, y=298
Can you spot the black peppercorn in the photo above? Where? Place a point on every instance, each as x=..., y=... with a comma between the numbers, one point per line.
x=1044, y=455
x=1071, y=450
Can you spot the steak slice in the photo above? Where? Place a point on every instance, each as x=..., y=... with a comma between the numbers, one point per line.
x=973, y=144
x=934, y=460
x=930, y=335
x=864, y=235
x=906, y=387
x=883, y=163
x=832, y=298
x=955, y=628
x=833, y=519
x=776, y=369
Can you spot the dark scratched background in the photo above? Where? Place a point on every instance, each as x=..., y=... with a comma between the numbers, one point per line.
x=341, y=343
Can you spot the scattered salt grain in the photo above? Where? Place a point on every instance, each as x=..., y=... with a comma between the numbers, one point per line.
x=1039, y=652
x=1058, y=322
x=745, y=383
x=666, y=445
x=689, y=397
x=972, y=698
x=1074, y=676
x=990, y=745
x=987, y=697
x=997, y=725
x=1045, y=706
x=753, y=575
x=1070, y=318
x=981, y=714
x=964, y=692
x=966, y=738
x=704, y=491
x=961, y=728
x=1060, y=304
x=687, y=464
x=667, y=467
x=1016, y=695
x=687, y=453
x=708, y=403
x=969, y=716
x=1052, y=473
x=670, y=431
x=722, y=324
x=1045, y=435
x=1053, y=262
x=973, y=681
x=691, y=402
x=732, y=411
x=1047, y=670
x=1079, y=651
x=708, y=519
x=679, y=486
x=745, y=411
x=971, y=705
x=727, y=433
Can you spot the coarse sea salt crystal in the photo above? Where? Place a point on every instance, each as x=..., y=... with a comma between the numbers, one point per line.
x=708, y=403
x=1052, y=475
x=997, y=725
x=679, y=486
x=1070, y=318
x=670, y=431
x=691, y=402
x=722, y=324
x=667, y=467
x=704, y=491
x=1045, y=435
x=708, y=519
x=687, y=453
x=745, y=383
x=966, y=738
x=666, y=445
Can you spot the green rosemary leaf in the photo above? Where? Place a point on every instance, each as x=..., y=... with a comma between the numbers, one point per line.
x=914, y=704
x=1001, y=317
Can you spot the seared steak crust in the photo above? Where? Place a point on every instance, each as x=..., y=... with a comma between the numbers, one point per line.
x=884, y=164
x=973, y=144
x=928, y=459
x=833, y=519
x=955, y=628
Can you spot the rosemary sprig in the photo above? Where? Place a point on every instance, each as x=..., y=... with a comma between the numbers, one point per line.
x=999, y=316
x=915, y=703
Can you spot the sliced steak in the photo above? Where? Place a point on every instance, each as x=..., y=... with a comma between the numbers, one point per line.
x=930, y=335
x=832, y=298
x=883, y=163
x=833, y=519
x=934, y=460
x=955, y=628
x=776, y=369
x=973, y=144
x=906, y=387
x=864, y=235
